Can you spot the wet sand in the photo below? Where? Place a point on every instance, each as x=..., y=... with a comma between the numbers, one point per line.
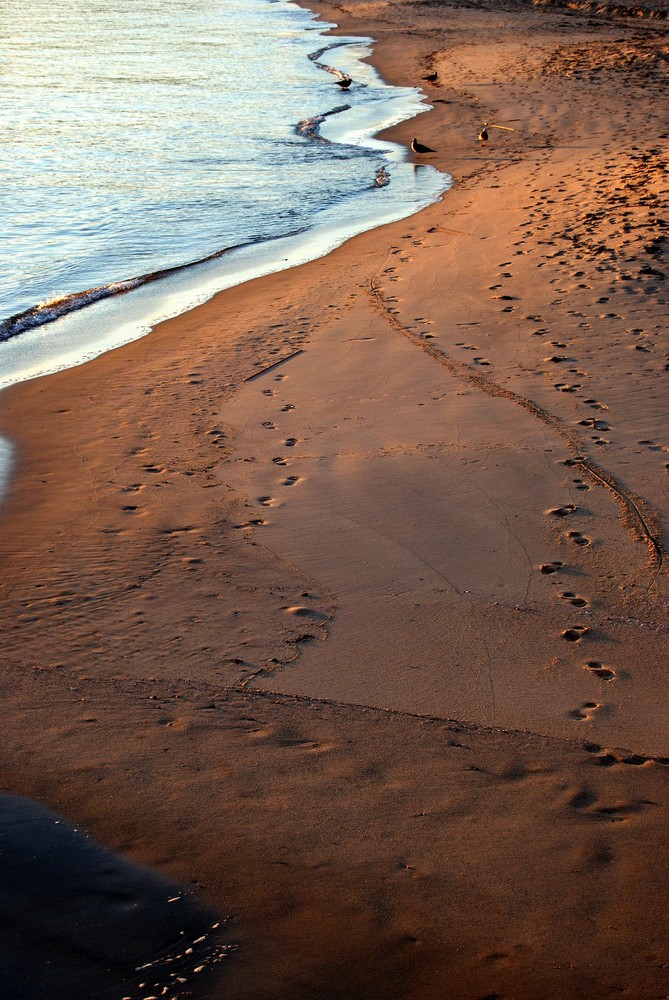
x=343, y=597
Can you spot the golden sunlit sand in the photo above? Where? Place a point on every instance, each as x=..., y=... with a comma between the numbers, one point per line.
x=343, y=597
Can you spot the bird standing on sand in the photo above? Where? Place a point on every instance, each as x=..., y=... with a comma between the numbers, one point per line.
x=483, y=135
x=432, y=77
x=419, y=148
x=344, y=83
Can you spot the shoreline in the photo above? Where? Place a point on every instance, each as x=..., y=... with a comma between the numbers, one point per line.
x=135, y=309
x=306, y=609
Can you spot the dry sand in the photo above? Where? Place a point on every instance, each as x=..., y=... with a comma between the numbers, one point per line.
x=371, y=645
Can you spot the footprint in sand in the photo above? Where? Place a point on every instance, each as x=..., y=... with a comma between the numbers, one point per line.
x=578, y=538
x=268, y=392
x=652, y=445
x=254, y=522
x=582, y=799
x=595, y=404
x=269, y=425
x=280, y=461
x=290, y=442
x=549, y=568
x=575, y=633
x=481, y=361
x=597, y=668
x=291, y=480
x=596, y=423
x=616, y=811
x=267, y=501
x=585, y=712
x=608, y=757
x=568, y=508
x=287, y=407
x=578, y=602
x=580, y=485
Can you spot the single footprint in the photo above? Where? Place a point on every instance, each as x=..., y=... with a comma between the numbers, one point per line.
x=568, y=508
x=290, y=442
x=605, y=673
x=269, y=425
x=585, y=712
x=280, y=460
x=578, y=538
x=288, y=406
x=580, y=485
x=578, y=602
x=265, y=501
x=291, y=480
x=575, y=633
x=548, y=568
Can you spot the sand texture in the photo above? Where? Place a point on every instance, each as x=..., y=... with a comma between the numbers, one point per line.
x=342, y=599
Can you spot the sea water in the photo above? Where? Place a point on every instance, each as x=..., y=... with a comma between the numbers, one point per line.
x=148, y=136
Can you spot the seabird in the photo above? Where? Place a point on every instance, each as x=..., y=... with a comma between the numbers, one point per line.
x=432, y=77
x=345, y=82
x=418, y=147
x=483, y=135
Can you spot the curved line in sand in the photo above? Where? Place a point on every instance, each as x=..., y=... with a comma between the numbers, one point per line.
x=636, y=521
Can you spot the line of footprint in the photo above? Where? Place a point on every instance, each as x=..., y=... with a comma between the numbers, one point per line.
x=587, y=710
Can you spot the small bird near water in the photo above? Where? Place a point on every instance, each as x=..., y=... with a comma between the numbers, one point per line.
x=432, y=77
x=418, y=147
x=344, y=83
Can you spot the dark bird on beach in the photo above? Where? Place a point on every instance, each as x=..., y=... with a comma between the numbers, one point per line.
x=418, y=147
x=483, y=135
x=345, y=82
x=432, y=77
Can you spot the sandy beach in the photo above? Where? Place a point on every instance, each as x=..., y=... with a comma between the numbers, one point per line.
x=342, y=599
